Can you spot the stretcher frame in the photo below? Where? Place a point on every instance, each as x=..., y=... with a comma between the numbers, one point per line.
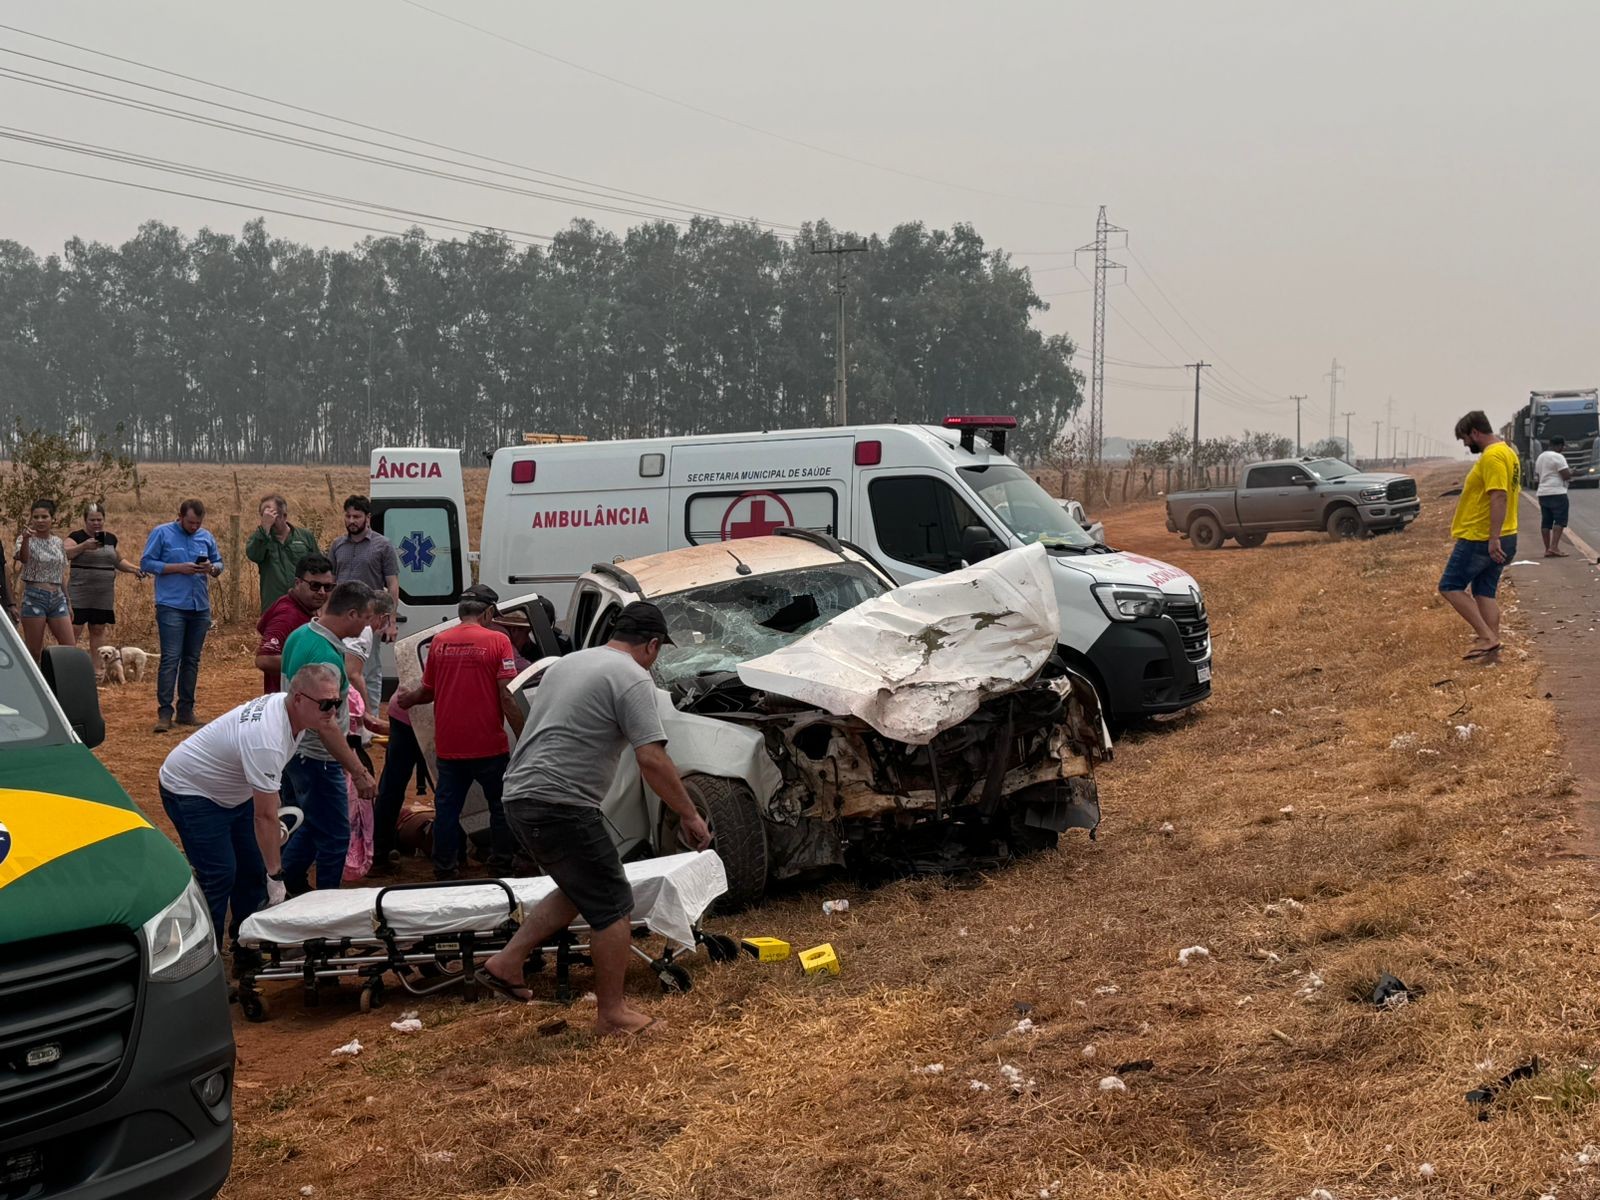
x=424, y=965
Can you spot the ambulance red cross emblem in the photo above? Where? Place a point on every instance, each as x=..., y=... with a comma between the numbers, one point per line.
x=755, y=514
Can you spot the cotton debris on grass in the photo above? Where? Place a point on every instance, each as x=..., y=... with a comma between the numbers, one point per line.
x=1426, y=1171
x=1023, y=1027
x=350, y=1048
x=1191, y=954
x=409, y=1022
x=1089, y=1051
x=977, y=1085
x=1016, y=1080
x=1112, y=1084
x=1464, y=733
x=1312, y=985
x=1168, y=828
x=931, y=1069
x=1107, y=989
x=1282, y=907
x=1402, y=741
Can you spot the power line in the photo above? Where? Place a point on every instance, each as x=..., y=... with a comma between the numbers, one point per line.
x=716, y=116
x=604, y=191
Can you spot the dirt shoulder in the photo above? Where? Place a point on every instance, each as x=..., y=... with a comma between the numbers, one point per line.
x=1411, y=847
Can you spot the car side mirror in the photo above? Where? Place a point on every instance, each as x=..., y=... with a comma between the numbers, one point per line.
x=70, y=674
x=977, y=544
x=1304, y=481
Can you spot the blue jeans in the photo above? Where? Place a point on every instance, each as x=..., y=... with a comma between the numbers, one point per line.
x=456, y=777
x=1470, y=566
x=183, y=636
x=324, y=837
x=223, y=854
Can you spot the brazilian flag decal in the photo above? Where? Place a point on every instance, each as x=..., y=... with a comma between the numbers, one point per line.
x=75, y=852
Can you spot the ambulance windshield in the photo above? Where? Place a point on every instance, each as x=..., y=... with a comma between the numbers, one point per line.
x=26, y=716
x=720, y=625
x=1026, y=508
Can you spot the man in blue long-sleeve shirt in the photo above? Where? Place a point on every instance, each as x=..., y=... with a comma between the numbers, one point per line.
x=184, y=559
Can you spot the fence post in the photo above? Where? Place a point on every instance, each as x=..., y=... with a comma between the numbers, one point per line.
x=333, y=501
x=235, y=559
x=238, y=500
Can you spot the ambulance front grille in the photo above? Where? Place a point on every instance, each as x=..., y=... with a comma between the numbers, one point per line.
x=67, y=1008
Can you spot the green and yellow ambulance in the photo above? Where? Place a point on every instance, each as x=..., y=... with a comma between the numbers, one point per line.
x=116, y=1046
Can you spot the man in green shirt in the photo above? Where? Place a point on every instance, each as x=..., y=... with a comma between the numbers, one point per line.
x=317, y=770
x=276, y=547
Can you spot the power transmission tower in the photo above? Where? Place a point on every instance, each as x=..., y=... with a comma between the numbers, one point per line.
x=1333, y=377
x=1393, y=432
x=1349, y=446
x=1097, y=361
x=1194, y=447
x=841, y=383
x=1297, y=400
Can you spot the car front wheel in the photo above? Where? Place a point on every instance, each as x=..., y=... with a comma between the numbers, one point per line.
x=737, y=834
x=1343, y=524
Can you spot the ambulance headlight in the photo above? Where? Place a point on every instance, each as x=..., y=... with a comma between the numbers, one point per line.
x=1127, y=602
x=180, y=937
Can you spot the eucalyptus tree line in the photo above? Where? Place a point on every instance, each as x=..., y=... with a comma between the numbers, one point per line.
x=249, y=347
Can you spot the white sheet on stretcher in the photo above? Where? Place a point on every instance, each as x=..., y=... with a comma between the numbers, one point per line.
x=669, y=894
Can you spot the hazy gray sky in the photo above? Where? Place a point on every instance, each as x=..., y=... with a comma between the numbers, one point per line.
x=1413, y=187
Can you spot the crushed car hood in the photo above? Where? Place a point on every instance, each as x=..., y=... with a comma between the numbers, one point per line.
x=920, y=659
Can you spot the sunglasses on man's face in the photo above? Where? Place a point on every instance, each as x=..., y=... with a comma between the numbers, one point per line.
x=317, y=587
x=326, y=706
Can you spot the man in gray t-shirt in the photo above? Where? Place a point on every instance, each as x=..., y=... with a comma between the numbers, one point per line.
x=588, y=707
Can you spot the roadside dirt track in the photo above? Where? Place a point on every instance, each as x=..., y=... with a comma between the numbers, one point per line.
x=1410, y=849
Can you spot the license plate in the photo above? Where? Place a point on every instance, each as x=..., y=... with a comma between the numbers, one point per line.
x=1203, y=673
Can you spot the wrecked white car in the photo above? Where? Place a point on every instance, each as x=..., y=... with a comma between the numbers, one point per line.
x=821, y=716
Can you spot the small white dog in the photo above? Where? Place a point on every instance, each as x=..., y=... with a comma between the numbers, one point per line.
x=123, y=664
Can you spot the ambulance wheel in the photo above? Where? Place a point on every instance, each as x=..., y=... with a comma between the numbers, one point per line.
x=254, y=1007
x=1249, y=540
x=673, y=978
x=737, y=835
x=1205, y=533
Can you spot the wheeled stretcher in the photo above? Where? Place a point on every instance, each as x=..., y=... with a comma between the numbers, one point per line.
x=433, y=936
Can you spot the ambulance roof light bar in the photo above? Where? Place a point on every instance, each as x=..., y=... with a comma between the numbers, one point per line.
x=969, y=427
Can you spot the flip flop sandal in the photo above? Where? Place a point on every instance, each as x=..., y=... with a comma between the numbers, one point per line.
x=1470, y=655
x=495, y=984
x=653, y=1024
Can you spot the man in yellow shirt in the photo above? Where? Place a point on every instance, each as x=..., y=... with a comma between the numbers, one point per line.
x=1485, y=529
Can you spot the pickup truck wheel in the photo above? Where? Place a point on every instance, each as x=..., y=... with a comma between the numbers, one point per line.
x=1205, y=533
x=1249, y=540
x=1344, y=523
x=737, y=835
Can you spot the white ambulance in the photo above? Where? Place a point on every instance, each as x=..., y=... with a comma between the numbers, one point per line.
x=919, y=499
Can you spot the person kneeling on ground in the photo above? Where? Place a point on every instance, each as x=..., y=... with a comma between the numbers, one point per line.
x=1485, y=529
x=586, y=709
x=318, y=768
x=220, y=789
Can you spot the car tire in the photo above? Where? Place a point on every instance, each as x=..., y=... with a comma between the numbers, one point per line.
x=1344, y=523
x=1249, y=540
x=737, y=835
x=1205, y=533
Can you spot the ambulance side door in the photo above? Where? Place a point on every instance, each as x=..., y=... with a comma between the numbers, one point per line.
x=912, y=521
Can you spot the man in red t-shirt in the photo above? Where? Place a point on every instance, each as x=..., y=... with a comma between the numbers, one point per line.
x=313, y=580
x=464, y=678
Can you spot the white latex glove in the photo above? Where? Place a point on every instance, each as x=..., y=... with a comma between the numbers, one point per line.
x=277, y=892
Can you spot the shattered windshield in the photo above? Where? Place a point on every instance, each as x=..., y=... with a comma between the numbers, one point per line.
x=1026, y=508
x=1330, y=468
x=721, y=625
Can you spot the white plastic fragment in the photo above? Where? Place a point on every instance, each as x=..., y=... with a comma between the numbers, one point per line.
x=1107, y=989
x=962, y=932
x=1112, y=1084
x=1278, y=907
x=409, y=1024
x=1023, y=1027
x=1168, y=828
x=352, y=1048
x=1426, y=1171
x=1089, y=1051
x=1286, y=811
x=977, y=1085
x=1192, y=954
x=931, y=1069
x=1277, y=712
x=829, y=907
x=438, y=1156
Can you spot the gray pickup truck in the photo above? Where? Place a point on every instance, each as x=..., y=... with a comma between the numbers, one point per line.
x=1295, y=494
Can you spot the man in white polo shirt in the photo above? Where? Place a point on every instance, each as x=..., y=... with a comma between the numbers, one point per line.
x=220, y=789
x=1552, y=472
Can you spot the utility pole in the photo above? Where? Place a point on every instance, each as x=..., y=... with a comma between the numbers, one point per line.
x=1349, y=446
x=1097, y=362
x=1375, y=426
x=1194, y=447
x=840, y=369
x=1393, y=432
x=1333, y=377
x=1297, y=400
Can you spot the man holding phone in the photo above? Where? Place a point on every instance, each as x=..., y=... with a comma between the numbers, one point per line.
x=184, y=558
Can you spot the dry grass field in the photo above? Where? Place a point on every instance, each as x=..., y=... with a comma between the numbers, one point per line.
x=1329, y=821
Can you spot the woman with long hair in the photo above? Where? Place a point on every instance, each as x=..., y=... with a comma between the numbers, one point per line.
x=43, y=559
x=92, y=590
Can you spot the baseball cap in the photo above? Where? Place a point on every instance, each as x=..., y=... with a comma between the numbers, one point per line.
x=481, y=591
x=642, y=617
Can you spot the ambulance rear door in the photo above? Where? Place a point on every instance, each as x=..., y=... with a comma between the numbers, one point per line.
x=419, y=503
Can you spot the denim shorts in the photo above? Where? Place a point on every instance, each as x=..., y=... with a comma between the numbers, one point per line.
x=572, y=847
x=43, y=602
x=1553, y=511
x=1471, y=568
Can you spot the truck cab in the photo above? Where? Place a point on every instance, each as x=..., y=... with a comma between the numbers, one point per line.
x=116, y=1048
